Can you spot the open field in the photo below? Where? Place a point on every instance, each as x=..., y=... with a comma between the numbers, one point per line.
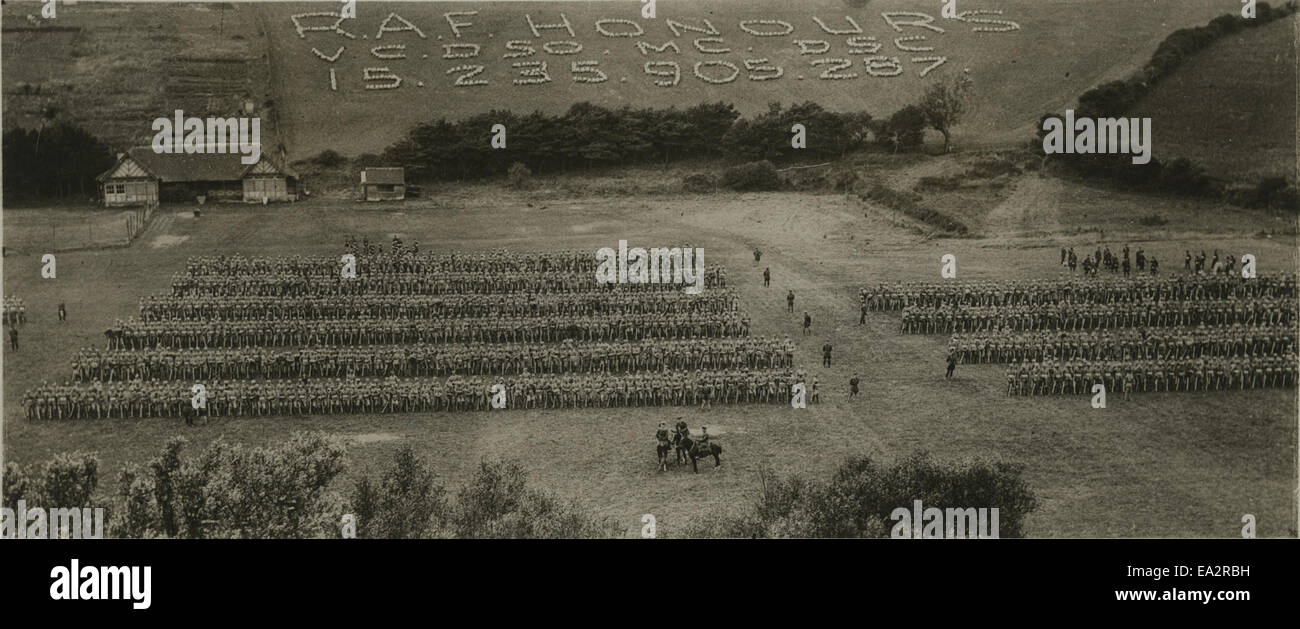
x=1161, y=465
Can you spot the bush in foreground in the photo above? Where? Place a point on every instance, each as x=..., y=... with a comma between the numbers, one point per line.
x=858, y=499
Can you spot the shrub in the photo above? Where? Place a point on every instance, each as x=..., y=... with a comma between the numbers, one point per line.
x=700, y=183
x=329, y=158
x=519, y=176
x=845, y=180
x=498, y=503
x=229, y=491
x=752, y=176
x=909, y=203
x=408, y=502
x=1153, y=220
x=858, y=500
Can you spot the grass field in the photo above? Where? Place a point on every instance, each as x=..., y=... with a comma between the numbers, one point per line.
x=1160, y=465
x=1232, y=108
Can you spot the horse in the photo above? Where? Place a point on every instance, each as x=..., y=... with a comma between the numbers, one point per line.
x=696, y=450
x=662, y=450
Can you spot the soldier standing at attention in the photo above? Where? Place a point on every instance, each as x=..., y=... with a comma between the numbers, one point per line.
x=807, y=323
x=63, y=313
x=789, y=302
x=826, y=353
x=767, y=277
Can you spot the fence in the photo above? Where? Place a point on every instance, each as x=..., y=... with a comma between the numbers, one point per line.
x=53, y=229
x=138, y=220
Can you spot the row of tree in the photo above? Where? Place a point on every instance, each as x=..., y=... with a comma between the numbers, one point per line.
x=589, y=135
x=53, y=161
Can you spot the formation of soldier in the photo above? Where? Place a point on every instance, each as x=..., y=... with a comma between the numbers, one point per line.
x=986, y=293
x=15, y=311
x=227, y=398
x=285, y=284
x=191, y=308
x=433, y=360
x=1002, y=346
x=134, y=334
x=1077, y=377
x=1090, y=316
x=418, y=331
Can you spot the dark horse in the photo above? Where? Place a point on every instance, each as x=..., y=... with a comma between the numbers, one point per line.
x=696, y=450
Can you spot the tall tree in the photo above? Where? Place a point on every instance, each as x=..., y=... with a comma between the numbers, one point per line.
x=946, y=103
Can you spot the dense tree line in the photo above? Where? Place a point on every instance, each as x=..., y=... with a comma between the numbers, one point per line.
x=589, y=135
x=1178, y=176
x=56, y=161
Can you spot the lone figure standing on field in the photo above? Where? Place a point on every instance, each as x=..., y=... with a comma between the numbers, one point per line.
x=63, y=313
x=789, y=302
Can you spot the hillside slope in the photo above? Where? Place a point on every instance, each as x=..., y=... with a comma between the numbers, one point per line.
x=117, y=67
x=1232, y=107
x=1061, y=48
x=113, y=68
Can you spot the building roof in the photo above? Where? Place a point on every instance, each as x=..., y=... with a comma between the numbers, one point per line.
x=383, y=176
x=183, y=167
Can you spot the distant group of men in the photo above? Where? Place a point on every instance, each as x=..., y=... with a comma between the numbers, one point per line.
x=15, y=311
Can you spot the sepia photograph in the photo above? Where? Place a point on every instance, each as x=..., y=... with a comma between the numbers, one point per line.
x=649, y=269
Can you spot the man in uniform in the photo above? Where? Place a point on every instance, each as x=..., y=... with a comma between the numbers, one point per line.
x=853, y=385
x=826, y=353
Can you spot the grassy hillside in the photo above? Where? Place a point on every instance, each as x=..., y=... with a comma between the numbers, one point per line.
x=1232, y=108
x=113, y=68
x=1061, y=49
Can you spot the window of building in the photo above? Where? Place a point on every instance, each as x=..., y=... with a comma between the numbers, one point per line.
x=115, y=188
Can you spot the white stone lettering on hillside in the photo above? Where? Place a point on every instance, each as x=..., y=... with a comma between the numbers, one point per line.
x=705, y=50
